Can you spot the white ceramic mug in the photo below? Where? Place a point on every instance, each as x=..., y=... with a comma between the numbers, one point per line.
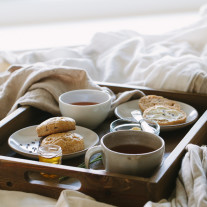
x=140, y=164
x=91, y=115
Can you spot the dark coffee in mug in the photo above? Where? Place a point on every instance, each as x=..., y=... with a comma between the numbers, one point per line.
x=132, y=149
x=129, y=152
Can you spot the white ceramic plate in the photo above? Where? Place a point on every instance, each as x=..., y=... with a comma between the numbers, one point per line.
x=124, y=111
x=26, y=142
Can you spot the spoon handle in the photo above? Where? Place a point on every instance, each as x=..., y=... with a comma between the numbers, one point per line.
x=144, y=125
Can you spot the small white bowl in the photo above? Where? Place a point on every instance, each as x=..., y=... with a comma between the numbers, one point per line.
x=121, y=124
x=89, y=116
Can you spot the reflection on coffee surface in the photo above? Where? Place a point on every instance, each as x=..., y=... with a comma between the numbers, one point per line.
x=132, y=149
x=84, y=103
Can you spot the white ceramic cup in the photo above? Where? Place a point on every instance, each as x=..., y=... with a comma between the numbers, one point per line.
x=89, y=116
x=139, y=164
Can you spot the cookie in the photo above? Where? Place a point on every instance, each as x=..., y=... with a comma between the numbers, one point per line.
x=153, y=100
x=55, y=125
x=165, y=115
x=69, y=142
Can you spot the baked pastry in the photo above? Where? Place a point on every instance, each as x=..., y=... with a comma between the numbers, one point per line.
x=55, y=125
x=165, y=115
x=69, y=142
x=153, y=100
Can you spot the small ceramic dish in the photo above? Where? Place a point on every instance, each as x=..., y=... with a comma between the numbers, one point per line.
x=129, y=124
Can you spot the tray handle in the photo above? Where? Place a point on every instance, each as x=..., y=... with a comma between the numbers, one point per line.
x=18, y=174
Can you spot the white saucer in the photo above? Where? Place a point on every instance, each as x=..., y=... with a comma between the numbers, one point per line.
x=123, y=111
x=26, y=142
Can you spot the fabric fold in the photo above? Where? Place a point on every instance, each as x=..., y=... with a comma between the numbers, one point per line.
x=69, y=198
x=40, y=85
x=191, y=183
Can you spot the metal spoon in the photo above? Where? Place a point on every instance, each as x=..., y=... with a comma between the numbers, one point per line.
x=144, y=125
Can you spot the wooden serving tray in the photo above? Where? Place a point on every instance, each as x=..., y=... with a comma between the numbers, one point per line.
x=17, y=172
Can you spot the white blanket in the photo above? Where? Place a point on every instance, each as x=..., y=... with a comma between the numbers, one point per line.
x=173, y=61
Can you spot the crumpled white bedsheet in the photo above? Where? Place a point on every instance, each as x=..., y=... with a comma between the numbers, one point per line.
x=173, y=61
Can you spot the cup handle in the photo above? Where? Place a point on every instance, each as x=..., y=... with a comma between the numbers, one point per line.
x=90, y=152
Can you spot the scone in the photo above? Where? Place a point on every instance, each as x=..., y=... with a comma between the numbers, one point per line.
x=55, y=125
x=69, y=142
x=153, y=100
x=165, y=115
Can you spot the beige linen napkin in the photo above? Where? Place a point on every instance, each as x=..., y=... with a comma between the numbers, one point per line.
x=191, y=183
x=40, y=85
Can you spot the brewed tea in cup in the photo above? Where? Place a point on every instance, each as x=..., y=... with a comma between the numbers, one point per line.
x=88, y=107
